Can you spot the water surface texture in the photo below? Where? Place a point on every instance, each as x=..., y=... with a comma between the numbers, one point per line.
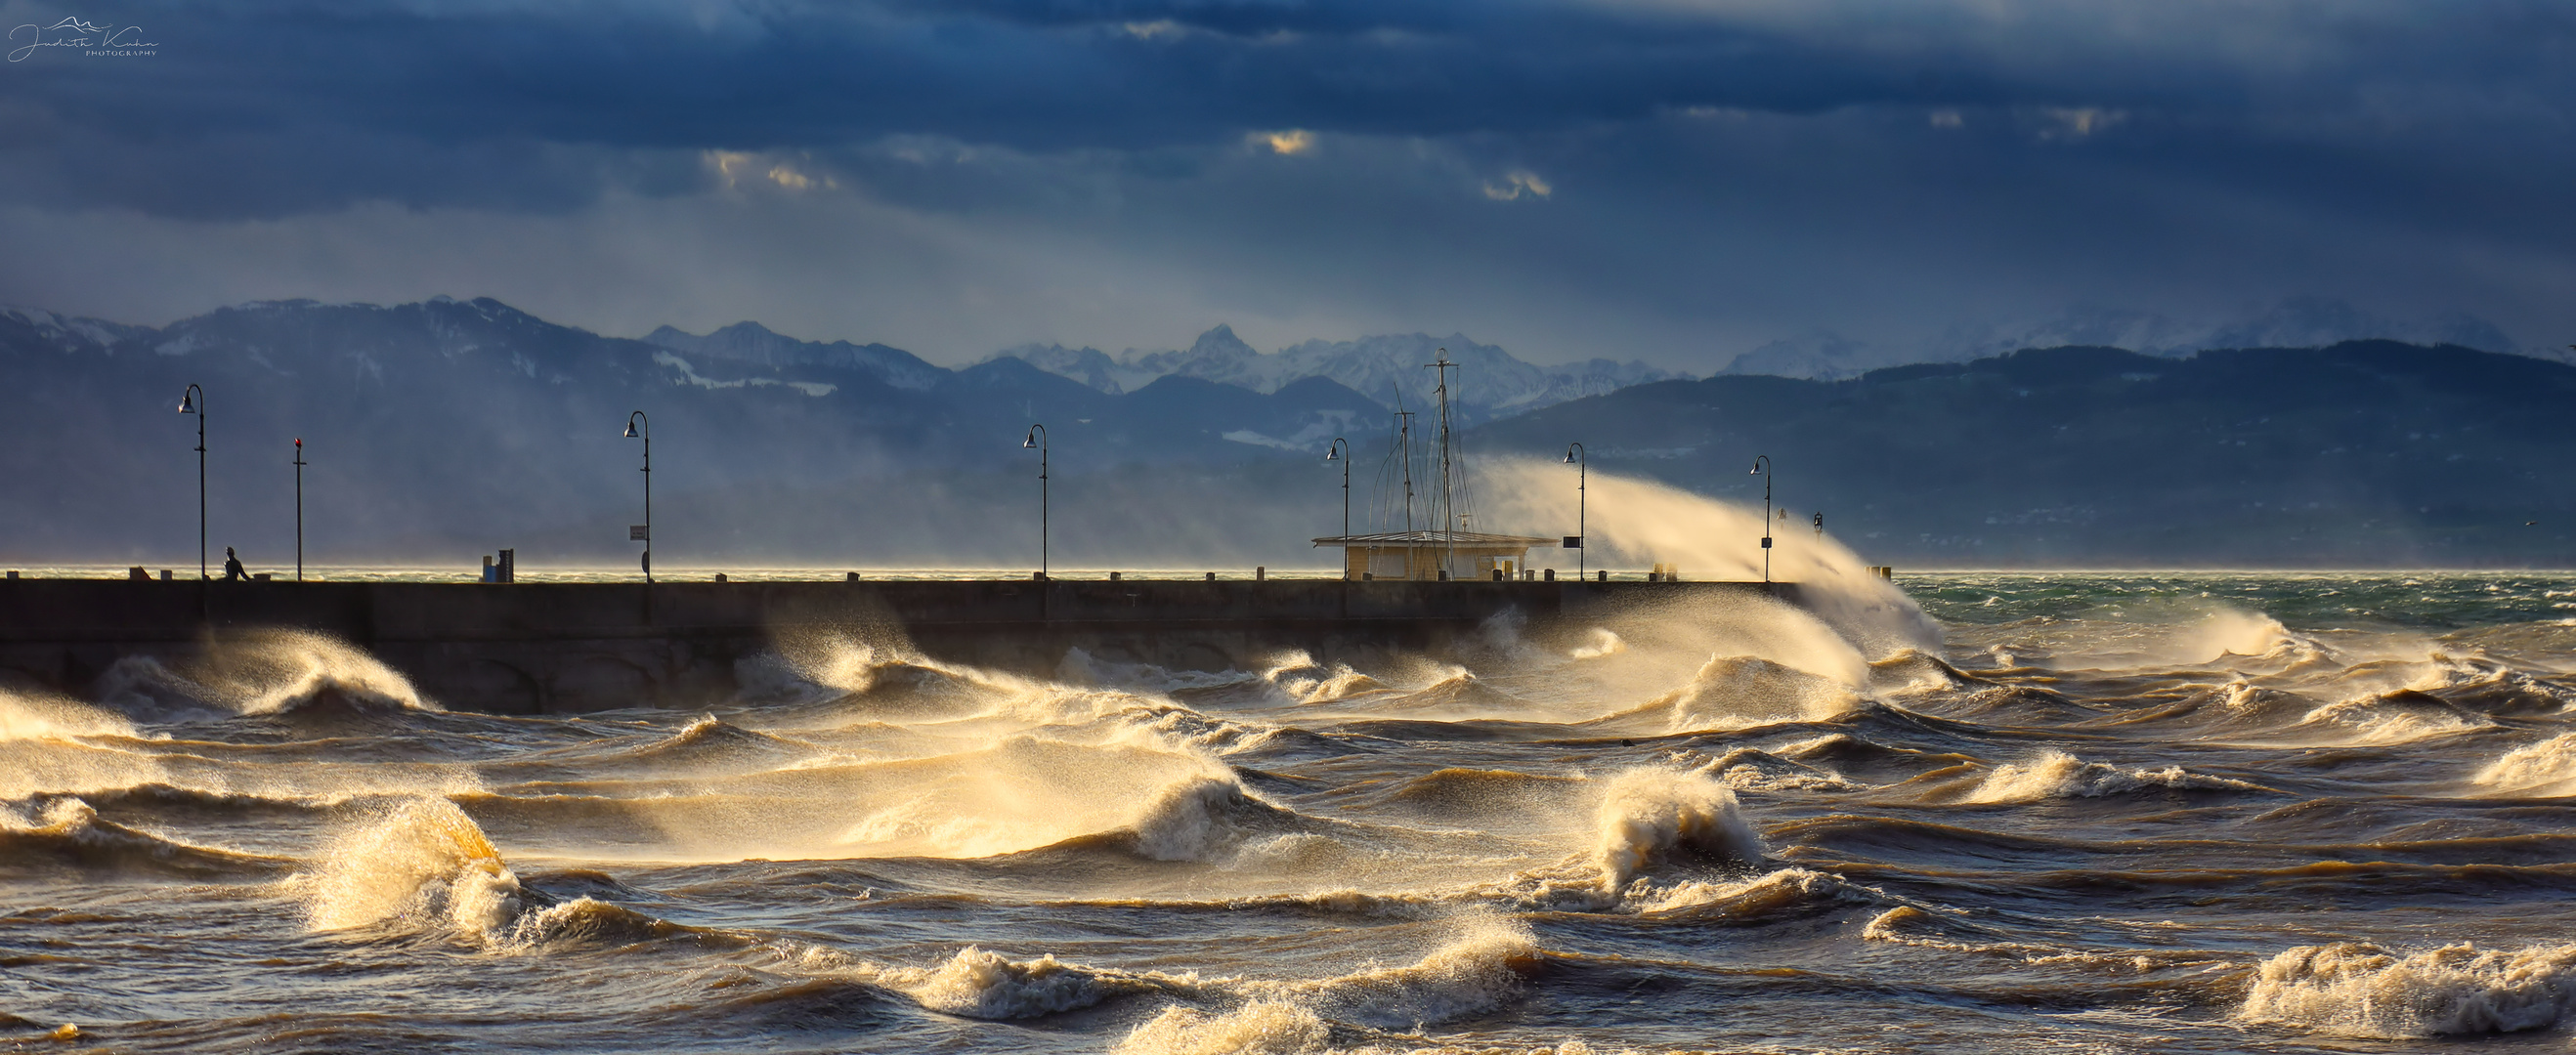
x=2054, y=813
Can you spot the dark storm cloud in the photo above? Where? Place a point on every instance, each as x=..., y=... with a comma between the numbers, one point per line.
x=274, y=108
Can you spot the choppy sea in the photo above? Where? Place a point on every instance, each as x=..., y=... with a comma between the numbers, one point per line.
x=1996, y=813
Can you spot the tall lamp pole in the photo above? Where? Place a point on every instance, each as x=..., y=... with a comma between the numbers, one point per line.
x=640, y=427
x=1820, y=527
x=1038, y=439
x=193, y=401
x=1762, y=468
x=1340, y=451
x=1581, y=460
x=299, y=509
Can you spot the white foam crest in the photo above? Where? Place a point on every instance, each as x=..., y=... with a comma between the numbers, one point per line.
x=1764, y=895
x=1193, y=819
x=2547, y=767
x=2058, y=775
x=33, y=716
x=1476, y=971
x=423, y=862
x=2365, y=990
x=1753, y=769
x=1739, y=692
x=1260, y=1027
x=978, y=983
x=1645, y=815
x=2382, y=721
x=1300, y=678
x=1889, y=927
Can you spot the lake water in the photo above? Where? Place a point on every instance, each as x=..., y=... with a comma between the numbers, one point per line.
x=2079, y=812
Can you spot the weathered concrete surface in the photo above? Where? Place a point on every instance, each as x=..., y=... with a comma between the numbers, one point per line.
x=561, y=647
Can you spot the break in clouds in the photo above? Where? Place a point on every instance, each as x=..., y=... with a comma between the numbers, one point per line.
x=1681, y=182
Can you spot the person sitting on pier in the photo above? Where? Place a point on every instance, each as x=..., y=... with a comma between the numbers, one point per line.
x=233, y=567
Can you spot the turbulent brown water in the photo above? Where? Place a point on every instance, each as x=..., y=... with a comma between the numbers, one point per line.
x=2097, y=813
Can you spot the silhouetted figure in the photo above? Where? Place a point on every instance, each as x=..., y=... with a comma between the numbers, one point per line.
x=232, y=567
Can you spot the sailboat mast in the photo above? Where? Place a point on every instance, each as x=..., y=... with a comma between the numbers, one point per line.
x=1448, y=491
x=1404, y=432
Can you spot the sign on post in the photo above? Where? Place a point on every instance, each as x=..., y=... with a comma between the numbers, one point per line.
x=1573, y=542
x=637, y=533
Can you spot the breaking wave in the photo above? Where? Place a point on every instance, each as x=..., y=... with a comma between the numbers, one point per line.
x=422, y=863
x=2058, y=775
x=2365, y=990
x=1650, y=816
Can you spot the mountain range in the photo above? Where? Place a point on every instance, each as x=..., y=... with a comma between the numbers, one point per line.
x=1391, y=370
x=442, y=429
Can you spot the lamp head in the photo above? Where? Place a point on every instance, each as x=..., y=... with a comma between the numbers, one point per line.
x=188, y=403
x=630, y=428
x=1032, y=441
x=1569, y=456
x=1756, y=470
x=1332, y=454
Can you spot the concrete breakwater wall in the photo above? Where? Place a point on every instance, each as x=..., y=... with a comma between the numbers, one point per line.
x=566, y=647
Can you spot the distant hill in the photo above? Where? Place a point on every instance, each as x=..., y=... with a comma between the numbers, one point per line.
x=2364, y=453
x=444, y=429
x=451, y=427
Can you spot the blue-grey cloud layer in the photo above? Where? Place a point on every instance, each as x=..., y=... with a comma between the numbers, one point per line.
x=2346, y=149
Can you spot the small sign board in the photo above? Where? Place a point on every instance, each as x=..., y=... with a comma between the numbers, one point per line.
x=1573, y=542
x=637, y=533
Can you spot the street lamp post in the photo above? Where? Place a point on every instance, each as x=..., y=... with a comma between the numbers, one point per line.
x=640, y=427
x=1820, y=527
x=1340, y=451
x=1762, y=468
x=1038, y=439
x=1581, y=460
x=299, y=509
x=193, y=401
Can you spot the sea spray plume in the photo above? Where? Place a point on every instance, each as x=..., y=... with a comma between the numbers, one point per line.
x=1192, y=820
x=1028, y=792
x=33, y=716
x=274, y=671
x=2365, y=990
x=1645, y=522
x=422, y=861
x=1651, y=815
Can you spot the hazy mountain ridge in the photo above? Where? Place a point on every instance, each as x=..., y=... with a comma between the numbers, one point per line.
x=2295, y=322
x=447, y=423
x=447, y=426
x=1489, y=383
x=2359, y=453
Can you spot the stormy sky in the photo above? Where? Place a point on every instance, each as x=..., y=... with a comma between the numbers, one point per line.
x=1674, y=180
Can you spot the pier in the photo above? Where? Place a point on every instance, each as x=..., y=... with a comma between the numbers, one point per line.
x=541, y=648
